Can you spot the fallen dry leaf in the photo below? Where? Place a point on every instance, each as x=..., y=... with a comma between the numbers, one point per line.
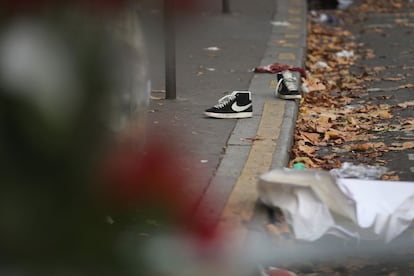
x=402, y=146
x=279, y=230
x=308, y=150
x=390, y=177
x=369, y=146
x=314, y=85
x=252, y=139
x=158, y=91
x=311, y=137
x=156, y=98
x=383, y=114
x=394, y=78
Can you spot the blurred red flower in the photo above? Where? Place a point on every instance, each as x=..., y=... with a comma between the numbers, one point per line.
x=153, y=177
x=143, y=176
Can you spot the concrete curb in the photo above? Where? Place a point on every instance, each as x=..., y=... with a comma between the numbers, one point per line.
x=297, y=29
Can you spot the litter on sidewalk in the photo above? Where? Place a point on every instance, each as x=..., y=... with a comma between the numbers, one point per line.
x=280, y=23
x=321, y=64
x=212, y=48
x=345, y=54
x=344, y=4
x=316, y=203
x=312, y=84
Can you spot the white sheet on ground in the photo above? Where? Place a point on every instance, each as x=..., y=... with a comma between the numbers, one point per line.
x=315, y=203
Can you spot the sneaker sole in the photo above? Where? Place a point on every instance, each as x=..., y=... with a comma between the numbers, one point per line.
x=277, y=88
x=229, y=115
x=290, y=97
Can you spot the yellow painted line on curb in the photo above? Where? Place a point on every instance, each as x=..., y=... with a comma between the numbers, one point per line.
x=294, y=11
x=273, y=84
x=239, y=208
x=286, y=56
x=295, y=19
x=293, y=27
x=292, y=36
x=290, y=45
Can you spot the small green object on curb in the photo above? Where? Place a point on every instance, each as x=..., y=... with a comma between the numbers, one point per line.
x=299, y=166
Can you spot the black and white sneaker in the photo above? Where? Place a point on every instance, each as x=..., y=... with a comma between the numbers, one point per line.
x=236, y=105
x=288, y=85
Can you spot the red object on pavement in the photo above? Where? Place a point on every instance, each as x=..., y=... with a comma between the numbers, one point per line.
x=279, y=67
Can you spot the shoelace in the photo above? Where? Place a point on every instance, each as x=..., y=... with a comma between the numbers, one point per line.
x=225, y=100
x=290, y=81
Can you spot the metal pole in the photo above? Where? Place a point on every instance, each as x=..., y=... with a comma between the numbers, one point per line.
x=170, y=68
x=226, y=6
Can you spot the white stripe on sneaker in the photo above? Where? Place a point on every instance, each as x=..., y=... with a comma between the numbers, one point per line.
x=240, y=108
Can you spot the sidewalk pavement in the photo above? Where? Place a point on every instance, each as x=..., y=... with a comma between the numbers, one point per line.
x=234, y=152
x=271, y=127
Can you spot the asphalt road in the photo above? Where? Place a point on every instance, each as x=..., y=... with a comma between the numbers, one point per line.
x=391, y=37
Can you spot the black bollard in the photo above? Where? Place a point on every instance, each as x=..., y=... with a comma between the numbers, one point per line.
x=169, y=35
x=226, y=6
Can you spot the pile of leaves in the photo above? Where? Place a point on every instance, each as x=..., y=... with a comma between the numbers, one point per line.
x=379, y=6
x=337, y=121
